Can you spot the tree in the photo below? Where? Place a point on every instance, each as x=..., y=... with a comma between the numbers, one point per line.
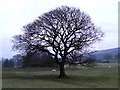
x=18, y=59
x=5, y=63
x=59, y=32
x=8, y=63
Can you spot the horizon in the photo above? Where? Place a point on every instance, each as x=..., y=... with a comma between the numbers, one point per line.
x=91, y=51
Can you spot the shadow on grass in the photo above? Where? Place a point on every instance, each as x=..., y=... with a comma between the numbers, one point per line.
x=71, y=79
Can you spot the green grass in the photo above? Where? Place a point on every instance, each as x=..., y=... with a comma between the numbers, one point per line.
x=98, y=77
x=114, y=60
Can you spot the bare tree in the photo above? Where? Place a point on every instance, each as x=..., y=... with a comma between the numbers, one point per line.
x=59, y=32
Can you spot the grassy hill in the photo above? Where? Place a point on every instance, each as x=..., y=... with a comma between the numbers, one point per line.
x=108, y=54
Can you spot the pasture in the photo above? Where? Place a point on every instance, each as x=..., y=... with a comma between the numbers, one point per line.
x=101, y=76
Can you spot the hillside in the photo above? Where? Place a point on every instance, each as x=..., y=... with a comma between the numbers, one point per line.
x=108, y=54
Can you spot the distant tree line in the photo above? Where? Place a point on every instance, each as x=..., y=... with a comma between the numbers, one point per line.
x=7, y=63
x=37, y=60
x=41, y=59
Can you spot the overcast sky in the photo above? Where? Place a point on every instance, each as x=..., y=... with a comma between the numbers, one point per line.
x=16, y=13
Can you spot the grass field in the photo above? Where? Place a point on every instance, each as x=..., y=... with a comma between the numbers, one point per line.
x=99, y=77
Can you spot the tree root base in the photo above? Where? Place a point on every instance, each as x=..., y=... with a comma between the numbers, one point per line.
x=63, y=76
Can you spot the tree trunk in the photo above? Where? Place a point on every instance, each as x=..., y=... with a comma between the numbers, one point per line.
x=62, y=71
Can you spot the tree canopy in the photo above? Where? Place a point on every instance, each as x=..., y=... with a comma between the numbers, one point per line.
x=61, y=32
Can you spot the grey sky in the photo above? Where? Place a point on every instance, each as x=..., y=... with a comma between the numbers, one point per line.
x=16, y=13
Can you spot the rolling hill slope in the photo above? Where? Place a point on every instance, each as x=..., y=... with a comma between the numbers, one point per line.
x=109, y=54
